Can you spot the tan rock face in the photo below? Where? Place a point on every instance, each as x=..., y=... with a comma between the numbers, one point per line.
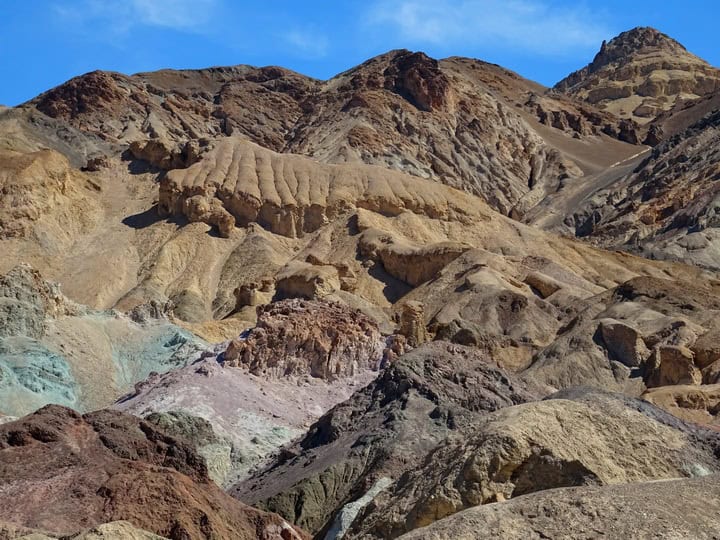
x=409, y=263
x=572, y=512
x=292, y=196
x=624, y=342
x=304, y=337
x=42, y=193
x=640, y=74
x=304, y=280
x=412, y=323
x=673, y=365
x=212, y=212
x=697, y=404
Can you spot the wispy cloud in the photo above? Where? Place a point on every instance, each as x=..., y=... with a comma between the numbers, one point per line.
x=119, y=16
x=307, y=43
x=532, y=25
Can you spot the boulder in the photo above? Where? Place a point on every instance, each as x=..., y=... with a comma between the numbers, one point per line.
x=623, y=342
x=672, y=364
x=412, y=323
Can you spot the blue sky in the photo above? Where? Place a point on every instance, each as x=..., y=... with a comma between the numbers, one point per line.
x=45, y=42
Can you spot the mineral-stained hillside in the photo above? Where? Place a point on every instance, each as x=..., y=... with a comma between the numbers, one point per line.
x=373, y=306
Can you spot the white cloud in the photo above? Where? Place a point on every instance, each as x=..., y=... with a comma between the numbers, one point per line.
x=120, y=16
x=178, y=14
x=520, y=24
x=307, y=43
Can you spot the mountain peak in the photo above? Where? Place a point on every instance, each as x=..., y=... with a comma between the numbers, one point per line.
x=638, y=41
x=640, y=73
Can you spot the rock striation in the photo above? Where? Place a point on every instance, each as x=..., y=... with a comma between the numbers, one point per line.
x=291, y=195
x=384, y=429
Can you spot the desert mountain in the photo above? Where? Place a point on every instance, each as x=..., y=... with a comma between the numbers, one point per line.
x=641, y=73
x=371, y=304
x=399, y=103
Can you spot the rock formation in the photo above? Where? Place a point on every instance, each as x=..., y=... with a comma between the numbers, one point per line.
x=375, y=304
x=299, y=337
x=385, y=429
x=99, y=455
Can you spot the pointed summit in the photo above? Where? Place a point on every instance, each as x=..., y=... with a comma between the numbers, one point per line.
x=641, y=73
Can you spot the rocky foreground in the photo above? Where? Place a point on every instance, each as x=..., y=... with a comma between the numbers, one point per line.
x=243, y=303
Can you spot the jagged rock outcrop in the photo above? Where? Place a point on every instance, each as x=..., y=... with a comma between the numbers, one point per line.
x=299, y=337
x=400, y=103
x=412, y=323
x=641, y=73
x=63, y=472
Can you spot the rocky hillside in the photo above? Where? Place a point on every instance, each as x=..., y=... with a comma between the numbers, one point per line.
x=666, y=207
x=641, y=73
x=397, y=104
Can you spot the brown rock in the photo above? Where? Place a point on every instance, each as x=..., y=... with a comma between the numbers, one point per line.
x=624, y=342
x=673, y=365
x=412, y=323
x=306, y=337
x=62, y=472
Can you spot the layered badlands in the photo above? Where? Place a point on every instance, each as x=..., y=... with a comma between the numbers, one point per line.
x=320, y=298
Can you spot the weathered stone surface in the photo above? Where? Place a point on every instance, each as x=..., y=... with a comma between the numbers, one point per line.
x=535, y=447
x=673, y=509
x=256, y=185
x=303, y=280
x=217, y=451
x=412, y=323
x=693, y=403
x=212, y=212
x=298, y=337
x=44, y=195
x=641, y=73
x=26, y=299
x=410, y=264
